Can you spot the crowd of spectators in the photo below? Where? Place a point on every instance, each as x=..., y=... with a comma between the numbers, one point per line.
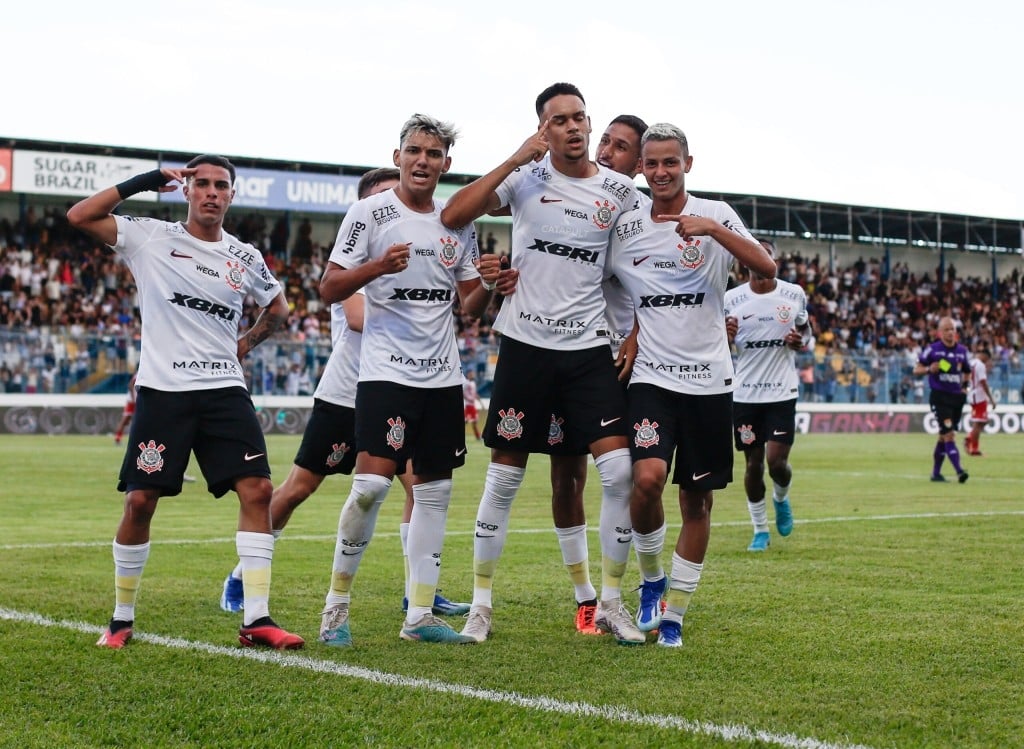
x=69, y=315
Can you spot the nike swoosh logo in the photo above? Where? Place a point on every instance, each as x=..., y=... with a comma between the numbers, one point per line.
x=623, y=539
x=249, y=457
x=606, y=422
x=175, y=253
x=637, y=261
x=481, y=535
x=460, y=453
x=747, y=317
x=704, y=475
x=350, y=553
x=776, y=433
x=546, y=199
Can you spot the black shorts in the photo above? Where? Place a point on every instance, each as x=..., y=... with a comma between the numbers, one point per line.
x=553, y=402
x=399, y=422
x=219, y=426
x=696, y=428
x=948, y=409
x=757, y=423
x=329, y=442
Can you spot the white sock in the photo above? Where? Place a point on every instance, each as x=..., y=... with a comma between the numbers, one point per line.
x=255, y=550
x=758, y=515
x=492, y=516
x=129, y=561
x=576, y=556
x=426, y=542
x=685, y=576
x=780, y=492
x=648, y=552
x=403, y=534
x=616, y=529
x=355, y=529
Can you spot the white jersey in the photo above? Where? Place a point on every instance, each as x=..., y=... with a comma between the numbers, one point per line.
x=618, y=312
x=191, y=294
x=469, y=393
x=765, y=366
x=560, y=232
x=341, y=372
x=979, y=374
x=677, y=288
x=407, y=324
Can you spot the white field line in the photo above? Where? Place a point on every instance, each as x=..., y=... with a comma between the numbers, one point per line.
x=543, y=704
x=523, y=531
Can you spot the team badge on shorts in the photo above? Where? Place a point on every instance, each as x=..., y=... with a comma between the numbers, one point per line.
x=510, y=425
x=784, y=314
x=150, y=459
x=555, y=433
x=449, y=252
x=692, y=257
x=646, y=433
x=396, y=433
x=746, y=434
x=603, y=217
x=235, y=274
x=337, y=454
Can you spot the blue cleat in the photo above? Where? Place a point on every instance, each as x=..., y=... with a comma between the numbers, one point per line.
x=232, y=598
x=431, y=629
x=783, y=517
x=670, y=634
x=334, y=629
x=648, y=616
x=442, y=606
x=760, y=542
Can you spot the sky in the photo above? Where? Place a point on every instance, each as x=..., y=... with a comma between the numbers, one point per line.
x=900, y=104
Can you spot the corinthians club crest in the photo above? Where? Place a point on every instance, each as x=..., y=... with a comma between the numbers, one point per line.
x=784, y=314
x=604, y=215
x=449, y=253
x=337, y=454
x=396, y=433
x=646, y=433
x=746, y=434
x=235, y=274
x=510, y=425
x=150, y=457
x=555, y=433
x=692, y=257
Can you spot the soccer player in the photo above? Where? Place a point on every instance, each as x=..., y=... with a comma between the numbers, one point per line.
x=470, y=401
x=945, y=361
x=980, y=397
x=328, y=442
x=192, y=278
x=674, y=258
x=409, y=395
x=766, y=319
x=129, y=411
x=551, y=355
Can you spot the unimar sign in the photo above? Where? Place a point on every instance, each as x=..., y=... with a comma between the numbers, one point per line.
x=286, y=191
x=74, y=174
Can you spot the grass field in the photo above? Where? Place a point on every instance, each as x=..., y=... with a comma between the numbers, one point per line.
x=893, y=616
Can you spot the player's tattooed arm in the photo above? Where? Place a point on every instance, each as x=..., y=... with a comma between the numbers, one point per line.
x=270, y=320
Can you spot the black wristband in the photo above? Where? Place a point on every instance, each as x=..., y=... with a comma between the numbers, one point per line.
x=153, y=180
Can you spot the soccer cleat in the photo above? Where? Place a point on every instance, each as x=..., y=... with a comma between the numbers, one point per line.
x=334, y=629
x=431, y=629
x=760, y=542
x=670, y=634
x=264, y=632
x=442, y=606
x=232, y=598
x=648, y=616
x=613, y=617
x=962, y=477
x=585, y=613
x=976, y=453
x=783, y=517
x=938, y=477
x=478, y=623
x=115, y=639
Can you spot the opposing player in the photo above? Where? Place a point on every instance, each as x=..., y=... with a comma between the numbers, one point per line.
x=127, y=413
x=551, y=356
x=674, y=258
x=945, y=361
x=767, y=321
x=471, y=402
x=409, y=395
x=192, y=278
x=980, y=398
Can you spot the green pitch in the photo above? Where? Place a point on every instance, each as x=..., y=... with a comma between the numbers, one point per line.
x=891, y=617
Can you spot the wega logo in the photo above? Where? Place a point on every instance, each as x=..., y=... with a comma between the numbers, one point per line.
x=5, y=170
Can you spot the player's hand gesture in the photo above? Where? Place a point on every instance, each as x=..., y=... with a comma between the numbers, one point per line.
x=732, y=326
x=395, y=258
x=176, y=175
x=690, y=226
x=533, y=148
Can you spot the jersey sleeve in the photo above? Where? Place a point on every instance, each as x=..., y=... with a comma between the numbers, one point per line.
x=466, y=269
x=132, y=234
x=351, y=248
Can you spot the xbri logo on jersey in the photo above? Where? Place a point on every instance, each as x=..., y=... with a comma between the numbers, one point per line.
x=203, y=305
x=604, y=216
x=692, y=257
x=646, y=433
x=150, y=459
x=235, y=275
x=510, y=425
x=555, y=433
x=422, y=295
x=784, y=314
x=771, y=343
x=746, y=434
x=449, y=251
x=337, y=454
x=672, y=300
x=564, y=250
x=396, y=433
